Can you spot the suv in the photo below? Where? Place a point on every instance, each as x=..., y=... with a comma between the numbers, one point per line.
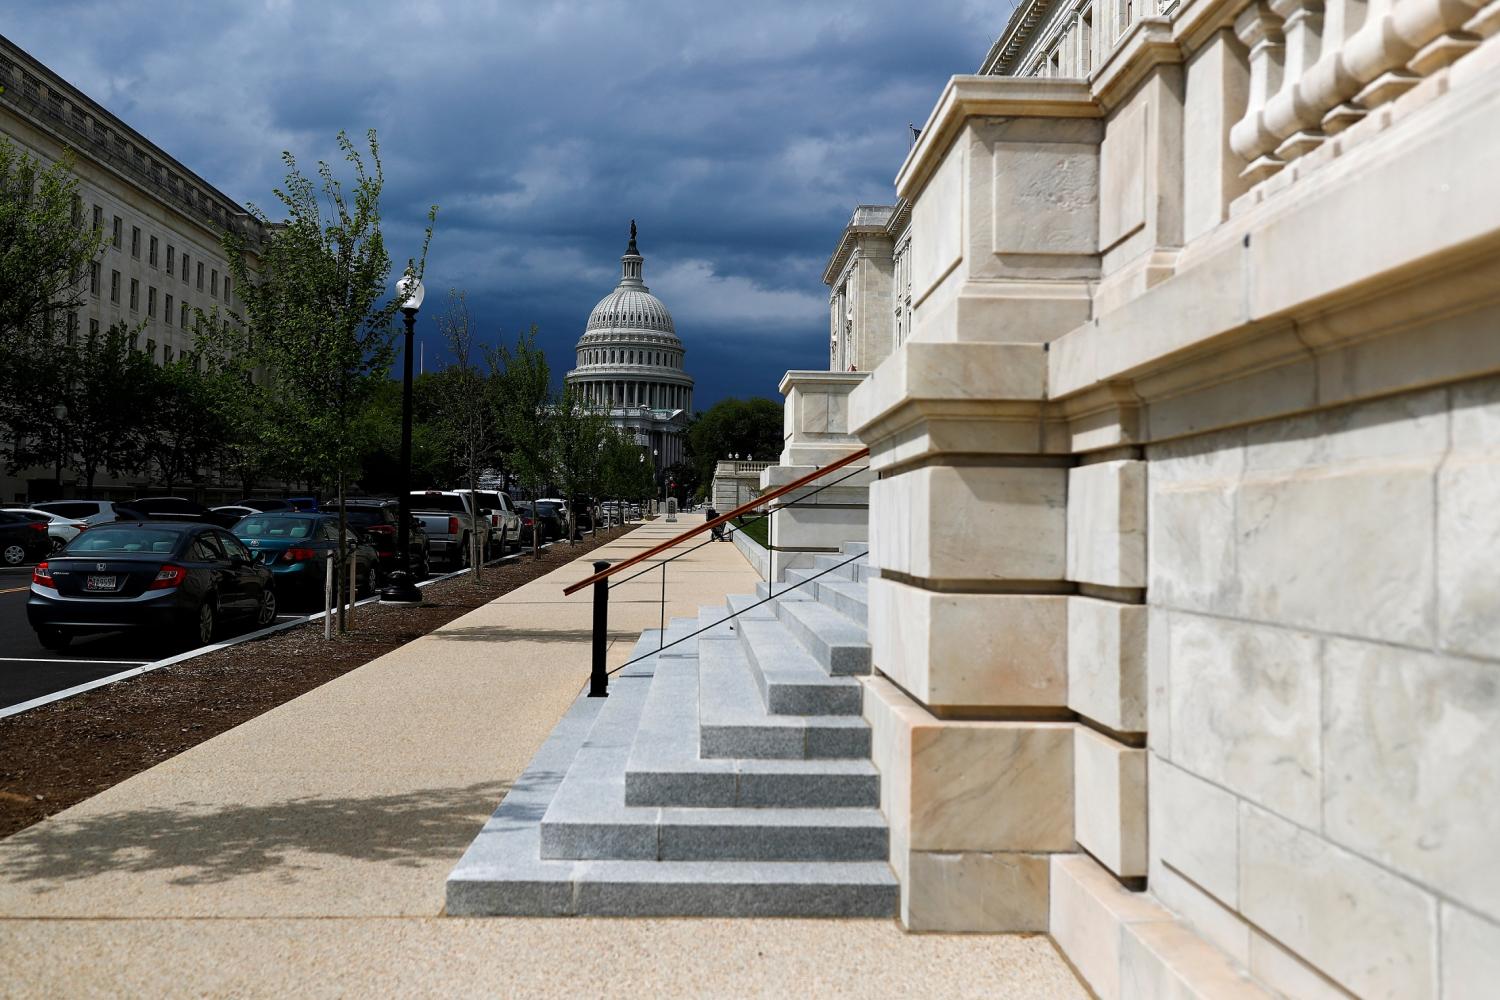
x=92, y=511
x=377, y=521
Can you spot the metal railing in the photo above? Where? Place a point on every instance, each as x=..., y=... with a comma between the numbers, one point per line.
x=604, y=570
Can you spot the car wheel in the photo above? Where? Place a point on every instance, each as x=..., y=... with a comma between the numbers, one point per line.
x=14, y=555
x=265, y=615
x=463, y=553
x=208, y=622
x=53, y=638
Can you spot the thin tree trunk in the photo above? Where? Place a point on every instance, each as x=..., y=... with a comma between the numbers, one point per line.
x=341, y=575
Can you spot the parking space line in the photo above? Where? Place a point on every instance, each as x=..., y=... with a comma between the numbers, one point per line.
x=15, y=590
x=65, y=659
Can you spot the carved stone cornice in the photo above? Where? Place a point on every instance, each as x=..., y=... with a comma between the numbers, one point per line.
x=968, y=97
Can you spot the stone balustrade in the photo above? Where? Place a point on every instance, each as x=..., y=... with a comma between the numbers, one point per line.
x=1318, y=67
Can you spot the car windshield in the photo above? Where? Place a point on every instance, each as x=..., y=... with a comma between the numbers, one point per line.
x=362, y=516
x=124, y=538
x=547, y=508
x=273, y=526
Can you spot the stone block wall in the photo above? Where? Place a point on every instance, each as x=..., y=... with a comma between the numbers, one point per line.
x=1187, y=628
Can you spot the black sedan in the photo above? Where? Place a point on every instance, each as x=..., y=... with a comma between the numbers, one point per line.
x=171, y=578
x=23, y=538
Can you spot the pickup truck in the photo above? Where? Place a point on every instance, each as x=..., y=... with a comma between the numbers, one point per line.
x=504, y=522
x=450, y=521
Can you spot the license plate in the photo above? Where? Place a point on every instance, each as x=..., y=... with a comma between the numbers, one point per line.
x=99, y=583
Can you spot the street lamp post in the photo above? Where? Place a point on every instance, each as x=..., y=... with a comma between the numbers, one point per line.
x=402, y=589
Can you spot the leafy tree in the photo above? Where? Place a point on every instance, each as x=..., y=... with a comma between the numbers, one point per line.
x=105, y=384
x=319, y=322
x=46, y=247
x=625, y=475
x=577, y=438
x=185, y=425
x=522, y=398
x=751, y=428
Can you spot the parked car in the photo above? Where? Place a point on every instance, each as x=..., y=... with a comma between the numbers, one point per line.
x=92, y=511
x=171, y=509
x=175, y=578
x=262, y=504
x=60, y=530
x=23, y=538
x=296, y=546
x=539, y=519
x=450, y=520
x=377, y=521
x=559, y=510
x=235, y=510
x=505, y=523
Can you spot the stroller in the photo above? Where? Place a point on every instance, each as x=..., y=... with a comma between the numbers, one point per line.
x=717, y=531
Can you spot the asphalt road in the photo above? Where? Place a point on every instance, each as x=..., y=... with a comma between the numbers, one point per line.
x=28, y=671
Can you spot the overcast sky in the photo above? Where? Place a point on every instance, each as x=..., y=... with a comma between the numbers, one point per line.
x=739, y=135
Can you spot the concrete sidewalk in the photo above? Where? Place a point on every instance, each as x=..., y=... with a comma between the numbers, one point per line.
x=217, y=871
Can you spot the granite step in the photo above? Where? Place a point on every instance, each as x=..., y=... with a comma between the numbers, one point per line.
x=784, y=592
x=791, y=682
x=588, y=818
x=733, y=721
x=835, y=642
x=855, y=548
x=503, y=873
x=847, y=597
x=664, y=768
x=844, y=565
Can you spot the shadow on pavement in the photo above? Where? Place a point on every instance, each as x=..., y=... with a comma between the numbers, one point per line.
x=218, y=845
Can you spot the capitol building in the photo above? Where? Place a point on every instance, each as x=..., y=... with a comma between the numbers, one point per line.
x=630, y=364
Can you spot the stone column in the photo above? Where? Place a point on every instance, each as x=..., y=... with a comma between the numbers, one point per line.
x=816, y=433
x=969, y=518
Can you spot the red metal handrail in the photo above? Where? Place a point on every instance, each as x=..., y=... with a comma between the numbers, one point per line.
x=743, y=508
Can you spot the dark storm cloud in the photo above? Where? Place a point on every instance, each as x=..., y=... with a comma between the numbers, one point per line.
x=739, y=135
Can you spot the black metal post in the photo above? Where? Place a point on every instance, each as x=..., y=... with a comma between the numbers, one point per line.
x=402, y=589
x=598, y=678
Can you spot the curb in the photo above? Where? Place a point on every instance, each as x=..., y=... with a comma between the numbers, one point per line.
x=146, y=668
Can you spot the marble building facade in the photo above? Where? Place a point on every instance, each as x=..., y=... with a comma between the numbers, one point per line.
x=162, y=259
x=1182, y=496
x=630, y=364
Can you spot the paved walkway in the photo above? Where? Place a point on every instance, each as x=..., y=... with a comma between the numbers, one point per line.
x=304, y=851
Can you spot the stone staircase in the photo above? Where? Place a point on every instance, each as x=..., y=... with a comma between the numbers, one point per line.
x=728, y=775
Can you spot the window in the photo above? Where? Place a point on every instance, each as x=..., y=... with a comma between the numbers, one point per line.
x=184, y=316
x=94, y=277
x=206, y=548
x=171, y=258
x=93, y=328
x=98, y=218
x=119, y=233
x=213, y=283
x=114, y=287
x=151, y=302
x=77, y=210
x=200, y=276
x=184, y=266
x=166, y=313
x=151, y=349
x=227, y=299
x=135, y=242
x=135, y=294
x=72, y=326
x=166, y=355
x=151, y=255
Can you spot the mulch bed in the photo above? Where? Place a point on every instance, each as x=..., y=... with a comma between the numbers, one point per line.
x=60, y=754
